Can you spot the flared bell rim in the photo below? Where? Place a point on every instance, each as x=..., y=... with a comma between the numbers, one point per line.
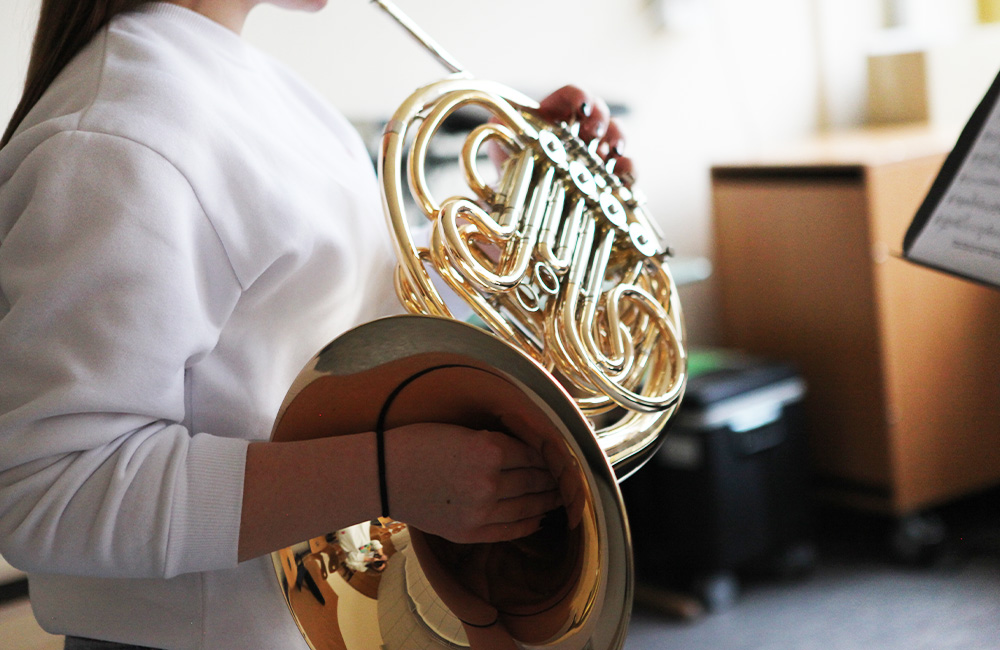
x=369, y=346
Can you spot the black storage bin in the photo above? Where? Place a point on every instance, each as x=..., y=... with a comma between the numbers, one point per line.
x=727, y=490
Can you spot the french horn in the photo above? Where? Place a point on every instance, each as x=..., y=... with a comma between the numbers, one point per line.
x=574, y=343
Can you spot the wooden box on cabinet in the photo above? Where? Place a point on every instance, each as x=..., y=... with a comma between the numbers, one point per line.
x=902, y=363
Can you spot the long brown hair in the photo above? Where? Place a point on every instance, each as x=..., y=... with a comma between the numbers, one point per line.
x=64, y=27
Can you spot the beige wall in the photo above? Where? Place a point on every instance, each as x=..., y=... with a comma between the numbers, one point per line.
x=742, y=76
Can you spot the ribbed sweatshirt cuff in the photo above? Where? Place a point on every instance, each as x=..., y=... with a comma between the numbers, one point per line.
x=206, y=524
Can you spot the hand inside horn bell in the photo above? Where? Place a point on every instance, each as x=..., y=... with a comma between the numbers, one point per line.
x=474, y=486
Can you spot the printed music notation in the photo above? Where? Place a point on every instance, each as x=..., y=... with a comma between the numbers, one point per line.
x=957, y=229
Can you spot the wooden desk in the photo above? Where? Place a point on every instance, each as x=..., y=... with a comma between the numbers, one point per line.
x=902, y=363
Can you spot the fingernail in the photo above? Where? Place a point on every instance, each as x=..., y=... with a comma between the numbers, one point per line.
x=618, y=150
x=586, y=109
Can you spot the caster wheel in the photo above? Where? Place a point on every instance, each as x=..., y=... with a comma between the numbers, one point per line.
x=918, y=539
x=796, y=561
x=719, y=592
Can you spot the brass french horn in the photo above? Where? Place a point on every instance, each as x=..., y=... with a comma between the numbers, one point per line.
x=578, y=340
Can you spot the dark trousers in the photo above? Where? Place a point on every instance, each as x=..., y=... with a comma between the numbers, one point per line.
x=76, y=643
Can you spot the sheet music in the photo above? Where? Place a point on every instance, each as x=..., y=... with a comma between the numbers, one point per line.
x=962, y=234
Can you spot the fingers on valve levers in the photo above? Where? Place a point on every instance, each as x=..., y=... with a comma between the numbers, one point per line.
x=573, y=105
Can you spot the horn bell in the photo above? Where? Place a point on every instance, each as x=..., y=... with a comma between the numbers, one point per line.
x=563, y=587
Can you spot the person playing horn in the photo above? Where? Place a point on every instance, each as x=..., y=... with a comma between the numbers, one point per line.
x=183, y=224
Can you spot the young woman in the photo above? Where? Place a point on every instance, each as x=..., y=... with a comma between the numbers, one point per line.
x=183, y=225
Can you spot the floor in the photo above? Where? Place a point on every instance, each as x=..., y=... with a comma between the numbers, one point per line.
x=867, y=592
x=19, y=631
x=846, y=606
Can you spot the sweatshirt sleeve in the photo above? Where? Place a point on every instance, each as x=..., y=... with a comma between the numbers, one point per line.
x=113, y=283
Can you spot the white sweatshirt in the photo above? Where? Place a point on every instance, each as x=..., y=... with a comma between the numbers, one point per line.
x=183, y=226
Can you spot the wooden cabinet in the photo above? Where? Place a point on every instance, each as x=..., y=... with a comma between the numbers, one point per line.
x=902, y=363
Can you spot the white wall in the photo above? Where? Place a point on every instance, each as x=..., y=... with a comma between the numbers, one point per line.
x=17, y=24
x=741, y=76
